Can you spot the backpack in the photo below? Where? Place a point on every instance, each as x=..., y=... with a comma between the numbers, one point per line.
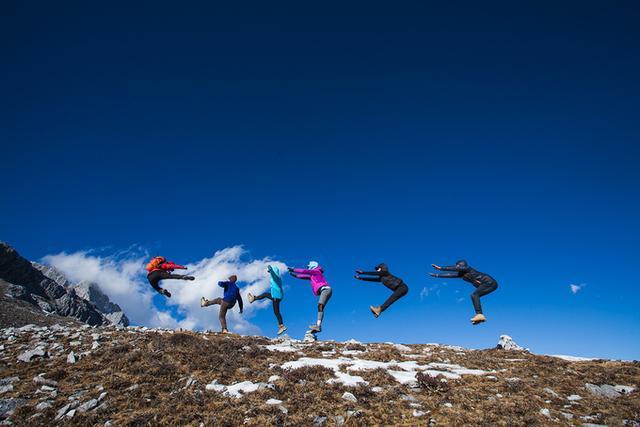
x=155, y=263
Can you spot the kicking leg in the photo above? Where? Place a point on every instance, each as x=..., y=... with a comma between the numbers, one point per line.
x=266, y=295
x=206, y=303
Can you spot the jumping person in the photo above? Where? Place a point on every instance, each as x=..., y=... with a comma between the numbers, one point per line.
x=275, y=295
x=160, y=269
x=228, y=301
x=392, y=282
x=483, y=283
x=319, y=287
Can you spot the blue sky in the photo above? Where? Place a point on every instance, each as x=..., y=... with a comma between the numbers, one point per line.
x=506, y=134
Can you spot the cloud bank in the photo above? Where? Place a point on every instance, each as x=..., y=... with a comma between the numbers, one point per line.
x=122, y=278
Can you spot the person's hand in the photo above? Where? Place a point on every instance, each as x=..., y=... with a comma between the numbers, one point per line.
x=357, y=276
x=359, y=271
x=437, y=267
x=433, y=275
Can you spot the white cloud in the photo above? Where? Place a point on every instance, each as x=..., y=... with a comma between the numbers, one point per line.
x=576, y=288
x=123, y=279
x=424, y=293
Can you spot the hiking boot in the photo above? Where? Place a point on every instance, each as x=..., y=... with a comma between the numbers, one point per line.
x=225, y=331
x=251, y=298
x=281, y=329
x=203, y=302
x=315, y=328
x=166, y=293
x=478, y=318
x=188, y=278
x=375, y=310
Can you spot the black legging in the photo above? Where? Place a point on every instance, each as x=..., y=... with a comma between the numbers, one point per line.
x=276, y=305
x=398, y=293
x=156, y=276
x=482, y=290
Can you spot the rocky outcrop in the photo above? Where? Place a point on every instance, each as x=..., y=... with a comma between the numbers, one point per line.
x=91, y=292
x=40, y=290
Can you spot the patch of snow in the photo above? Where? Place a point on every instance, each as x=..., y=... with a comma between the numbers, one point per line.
x=574, y=398
x=347, y=380
x=274, y=402
x=238, y=389
x=402, y=348
x=571, y=358
x=507, y=343
x=285, y=348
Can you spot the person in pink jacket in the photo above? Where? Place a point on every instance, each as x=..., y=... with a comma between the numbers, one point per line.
x=319, y=287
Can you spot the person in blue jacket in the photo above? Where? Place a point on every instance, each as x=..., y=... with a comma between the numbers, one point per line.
x=276, y=295
x=228, y=301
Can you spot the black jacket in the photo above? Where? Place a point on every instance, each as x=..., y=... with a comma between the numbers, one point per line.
x=389, y=280
x=463, y=271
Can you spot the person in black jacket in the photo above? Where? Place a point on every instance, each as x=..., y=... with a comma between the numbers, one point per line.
x=392, y=282
x=483, y=283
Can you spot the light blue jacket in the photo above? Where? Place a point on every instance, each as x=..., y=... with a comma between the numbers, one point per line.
x=276, y=282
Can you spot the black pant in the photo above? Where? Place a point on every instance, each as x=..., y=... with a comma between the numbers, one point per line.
x=482, y=290
x=398, y=293
x=276, y=305
x=156, y=276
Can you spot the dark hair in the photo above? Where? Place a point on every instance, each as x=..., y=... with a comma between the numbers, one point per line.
x=233, y=278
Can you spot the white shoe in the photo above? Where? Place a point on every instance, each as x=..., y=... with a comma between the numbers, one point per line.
x=203, y=301
x=281, y=329
x=251, y=298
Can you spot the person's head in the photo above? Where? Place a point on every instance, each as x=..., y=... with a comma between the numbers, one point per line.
x=273, y=269
x=233, y=278
x=312, y=265
x=461, y=263
x=382, y=267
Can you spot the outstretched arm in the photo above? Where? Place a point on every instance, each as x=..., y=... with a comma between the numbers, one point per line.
x=369, y=273
x=445, y=275
x=171, y=266
x=449, y=268
x=368, y=279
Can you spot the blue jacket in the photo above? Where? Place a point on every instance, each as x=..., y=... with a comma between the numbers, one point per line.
x=276, y=282
x=231, y=293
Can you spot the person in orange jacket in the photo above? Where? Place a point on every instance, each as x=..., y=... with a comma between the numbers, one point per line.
x=160, y=269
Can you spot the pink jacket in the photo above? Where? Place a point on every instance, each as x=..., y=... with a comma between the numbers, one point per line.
x=316, y=276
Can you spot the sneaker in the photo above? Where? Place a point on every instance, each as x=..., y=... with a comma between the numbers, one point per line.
x=225, y=331
x=375, y=310
x=203, y=302
x=315, y=328
x=478, y=318
x=166, y=293
x=251, y=298
x=281, y=329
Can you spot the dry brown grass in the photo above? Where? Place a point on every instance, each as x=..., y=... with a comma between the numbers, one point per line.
x=161, y=364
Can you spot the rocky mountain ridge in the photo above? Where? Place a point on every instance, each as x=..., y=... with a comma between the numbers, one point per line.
x=49, y=292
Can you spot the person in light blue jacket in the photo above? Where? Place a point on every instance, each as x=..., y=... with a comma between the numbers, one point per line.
x=276, y=295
